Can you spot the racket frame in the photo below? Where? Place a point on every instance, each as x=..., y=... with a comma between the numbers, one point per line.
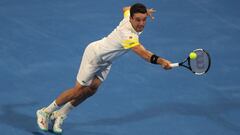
x=188, y=66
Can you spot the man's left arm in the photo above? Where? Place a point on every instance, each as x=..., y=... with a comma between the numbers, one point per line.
x=150, y=57
x=126, y=11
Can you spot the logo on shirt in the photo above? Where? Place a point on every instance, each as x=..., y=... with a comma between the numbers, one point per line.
x=131, y=43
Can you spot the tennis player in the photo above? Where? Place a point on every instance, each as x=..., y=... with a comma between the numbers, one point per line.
x=96, y=64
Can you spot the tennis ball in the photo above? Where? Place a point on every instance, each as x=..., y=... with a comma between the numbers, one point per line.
x=192, y=55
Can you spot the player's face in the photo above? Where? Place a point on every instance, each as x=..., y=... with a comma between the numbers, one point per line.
x=138, y=21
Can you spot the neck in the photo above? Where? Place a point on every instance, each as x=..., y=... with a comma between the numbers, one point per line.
x=133, y=27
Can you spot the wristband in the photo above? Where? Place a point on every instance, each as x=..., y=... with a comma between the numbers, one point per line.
x=154, y=59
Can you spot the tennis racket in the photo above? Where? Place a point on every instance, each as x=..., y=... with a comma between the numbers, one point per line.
x=198, y=66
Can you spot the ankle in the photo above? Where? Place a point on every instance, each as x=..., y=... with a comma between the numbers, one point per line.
x=52, y=107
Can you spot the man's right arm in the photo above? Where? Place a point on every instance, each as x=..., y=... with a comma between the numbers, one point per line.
x=145, y=54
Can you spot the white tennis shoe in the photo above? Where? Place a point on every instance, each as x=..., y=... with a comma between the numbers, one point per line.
x=43, y=119
x=57, y=122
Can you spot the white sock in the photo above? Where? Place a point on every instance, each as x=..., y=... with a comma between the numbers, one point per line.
x=52, y=107
x=65, y=109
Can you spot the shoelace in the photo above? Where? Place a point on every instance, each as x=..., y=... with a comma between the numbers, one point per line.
x=45, y=114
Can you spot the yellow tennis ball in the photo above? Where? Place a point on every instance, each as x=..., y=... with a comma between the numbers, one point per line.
x=192, y=55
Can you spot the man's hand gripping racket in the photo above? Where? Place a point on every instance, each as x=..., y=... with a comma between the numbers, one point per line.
x=198, y=62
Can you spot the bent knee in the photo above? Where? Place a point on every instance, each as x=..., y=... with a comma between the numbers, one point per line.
x=89, y=91
x=85, y=91
x=95, y=84
x=93, y=87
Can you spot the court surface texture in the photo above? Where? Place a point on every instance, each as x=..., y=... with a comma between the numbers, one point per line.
x=42, y=42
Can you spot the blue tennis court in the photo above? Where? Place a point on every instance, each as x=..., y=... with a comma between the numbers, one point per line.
x=42, y=42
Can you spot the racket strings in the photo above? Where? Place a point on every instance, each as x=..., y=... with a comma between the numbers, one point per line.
x=201, y=64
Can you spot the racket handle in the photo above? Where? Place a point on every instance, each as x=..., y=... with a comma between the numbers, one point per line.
x=174, y=65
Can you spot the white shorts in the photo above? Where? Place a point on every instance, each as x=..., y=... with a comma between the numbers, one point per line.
x=92, y=66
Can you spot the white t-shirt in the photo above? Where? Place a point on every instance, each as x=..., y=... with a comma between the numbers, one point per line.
x=118, y=42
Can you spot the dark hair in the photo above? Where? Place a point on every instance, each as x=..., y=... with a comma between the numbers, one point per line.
x=137, y=8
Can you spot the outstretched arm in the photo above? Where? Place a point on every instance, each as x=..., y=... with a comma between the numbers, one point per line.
x=147, y=55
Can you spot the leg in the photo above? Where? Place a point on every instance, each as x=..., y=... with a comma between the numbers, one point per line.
x=90, y=90
x=44, y=115
x=70, y=98
x=87, y=92
x=78, y=93
x=86, y=75
x=83, y=93
x=69, y=94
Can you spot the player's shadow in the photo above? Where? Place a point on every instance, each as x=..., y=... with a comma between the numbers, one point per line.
x=211, y=111
x=11, y=116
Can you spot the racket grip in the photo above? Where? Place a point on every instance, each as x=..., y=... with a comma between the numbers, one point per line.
x=174, y=65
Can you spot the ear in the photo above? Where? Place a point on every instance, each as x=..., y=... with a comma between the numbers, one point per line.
x=131, y=18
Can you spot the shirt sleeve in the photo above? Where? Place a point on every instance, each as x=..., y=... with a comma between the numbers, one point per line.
x=130, y=41
x=126, y=13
